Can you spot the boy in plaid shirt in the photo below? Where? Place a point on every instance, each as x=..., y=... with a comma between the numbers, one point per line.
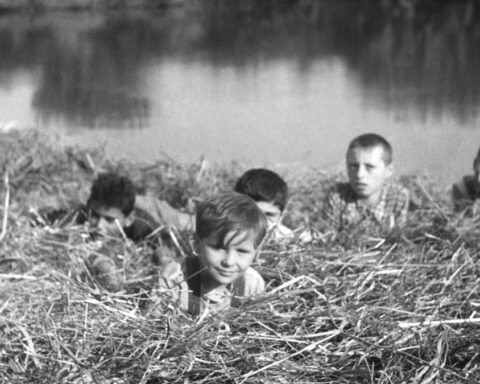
x=369, y=197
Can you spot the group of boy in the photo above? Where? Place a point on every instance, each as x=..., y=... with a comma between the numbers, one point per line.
x=230, y=227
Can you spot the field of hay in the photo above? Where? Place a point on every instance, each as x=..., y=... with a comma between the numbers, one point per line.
x=389, y=308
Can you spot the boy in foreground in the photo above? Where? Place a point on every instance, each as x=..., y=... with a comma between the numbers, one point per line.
x=466, y=192
x=229, y=230
x=369, y=197
x=269, y=191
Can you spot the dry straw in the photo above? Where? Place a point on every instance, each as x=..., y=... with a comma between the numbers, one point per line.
x=389, y=308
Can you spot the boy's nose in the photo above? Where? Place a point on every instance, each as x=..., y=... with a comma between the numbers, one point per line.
x=229, y=259
x=361, y=172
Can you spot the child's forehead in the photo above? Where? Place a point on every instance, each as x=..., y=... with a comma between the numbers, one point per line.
x=268, y=206
x=373, y=153
x=233, y=237
x=105, y=210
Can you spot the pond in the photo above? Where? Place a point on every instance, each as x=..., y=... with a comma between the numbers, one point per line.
x=264, y=86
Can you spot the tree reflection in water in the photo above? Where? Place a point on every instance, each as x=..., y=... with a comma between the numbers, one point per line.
x=91, y=68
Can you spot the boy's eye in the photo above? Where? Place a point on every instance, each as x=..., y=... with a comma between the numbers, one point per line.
x=216, y=246
x=109, y=219
x=243, y=250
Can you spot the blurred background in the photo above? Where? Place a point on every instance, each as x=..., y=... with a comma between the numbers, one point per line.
x=266, y=83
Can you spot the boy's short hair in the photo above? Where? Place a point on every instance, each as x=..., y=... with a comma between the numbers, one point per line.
x=113, y=190
x=263, y=185
x=230, y=211
x=369, y=140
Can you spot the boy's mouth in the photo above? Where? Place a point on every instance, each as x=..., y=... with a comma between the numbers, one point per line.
x=361, y=185
x=226, y=273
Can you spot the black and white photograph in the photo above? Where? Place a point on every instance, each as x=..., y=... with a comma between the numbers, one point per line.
x=239, y=191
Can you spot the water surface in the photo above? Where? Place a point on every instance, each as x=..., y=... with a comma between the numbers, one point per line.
x=263, y=86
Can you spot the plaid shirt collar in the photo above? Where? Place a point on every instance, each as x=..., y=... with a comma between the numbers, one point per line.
x=378, y=209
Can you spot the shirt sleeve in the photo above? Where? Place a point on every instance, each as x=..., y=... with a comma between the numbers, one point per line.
x=164, y=214
x=401, y=216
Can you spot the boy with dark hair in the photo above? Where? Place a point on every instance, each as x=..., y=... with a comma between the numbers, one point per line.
x=114, y=206
x=466, y=192
x=229, y=230
x=115, y=210
x=369, y=197
x=269, y=191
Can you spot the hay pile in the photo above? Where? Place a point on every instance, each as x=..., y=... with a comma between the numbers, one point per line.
x=396, y=308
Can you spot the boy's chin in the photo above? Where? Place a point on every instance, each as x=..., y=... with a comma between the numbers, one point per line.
x=223, y=280
x=361, y=193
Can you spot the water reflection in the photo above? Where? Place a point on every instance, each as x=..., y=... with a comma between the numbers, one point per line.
x=115, y=70
x=90, y=68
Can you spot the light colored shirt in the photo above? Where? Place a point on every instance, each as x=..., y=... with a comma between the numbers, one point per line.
x=151, y=213
x=281, y=232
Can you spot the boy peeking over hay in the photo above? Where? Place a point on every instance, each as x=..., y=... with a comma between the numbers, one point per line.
x=114, y=206
x=466, y=192
x=369, y=197
x=114, y=210
x=269, y=191
x=229, y=230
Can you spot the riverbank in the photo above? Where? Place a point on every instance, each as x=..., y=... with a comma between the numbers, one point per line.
x=389, y=308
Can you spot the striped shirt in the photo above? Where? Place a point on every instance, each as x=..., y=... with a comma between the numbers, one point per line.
x=193, y=300
x=343, y=209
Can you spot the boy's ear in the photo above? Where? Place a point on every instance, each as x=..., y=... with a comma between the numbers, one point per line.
x=390, y=170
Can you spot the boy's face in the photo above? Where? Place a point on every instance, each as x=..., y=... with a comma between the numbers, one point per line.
x=367, y=172
x=107, y=220
x=225, y=263
x=271, y=212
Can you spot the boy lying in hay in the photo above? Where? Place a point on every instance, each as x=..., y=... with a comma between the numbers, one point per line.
x=270, y=192
x=113, y=207
x=369, y=198
x=229, y=230
x=114, y=210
